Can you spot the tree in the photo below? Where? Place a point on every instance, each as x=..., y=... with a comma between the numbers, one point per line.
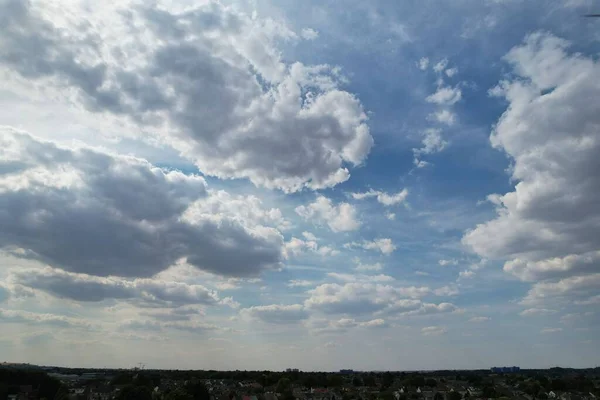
x=453, y=396
x=132, y=392
x=438, y=396
x=283, y=385
x=369, y=380
x=357, y=381
x=198, y=390
x=178, y=394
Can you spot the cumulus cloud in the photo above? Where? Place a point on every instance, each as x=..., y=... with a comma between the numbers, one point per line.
x=58, y=321
x=444, y=263
x=574, y=288
x=551, y=330
x=384, y=245
x=536, y=311
x=434, y=330
x=88, y=288
x=441, y=65
x=423, y=63
x=390, y=215
x=445, y=96
x=432, y=143
x=549, y=226
x=339, y=218
x=152, y=325
x=276, y=313
x=82, y=210
x=297, y=246
x=479, y=319
x=359, y=278
x=360, y=298
x=327, y=326
x=300, y=283
x=383, y=197
x=209, y=81
x=450, y=72
x=367, y=267
x=446, y=117
x=309, y=34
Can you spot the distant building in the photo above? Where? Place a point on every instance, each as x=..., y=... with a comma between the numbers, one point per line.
x=292, y=370
x=346, y=371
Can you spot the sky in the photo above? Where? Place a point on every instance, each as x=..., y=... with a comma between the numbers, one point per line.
x=271, y=184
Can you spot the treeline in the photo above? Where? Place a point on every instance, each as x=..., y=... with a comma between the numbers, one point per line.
x=13, y=379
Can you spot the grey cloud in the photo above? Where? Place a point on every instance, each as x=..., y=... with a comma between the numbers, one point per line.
x=212, y=79
x=90, y=212
x=153, y=326
x=88, y=288
x=59, y=321
x=4, y=293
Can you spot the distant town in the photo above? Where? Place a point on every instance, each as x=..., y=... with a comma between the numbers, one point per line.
x=30, y=382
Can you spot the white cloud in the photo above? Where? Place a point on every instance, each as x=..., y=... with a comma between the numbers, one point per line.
x=445, y=96
x=309, y=34
x=466, y=274
x=276, y=313
x=359, y=298
x=158, y=72
x=450, y=72
x=479, y=319
x=446, y=117
x=536, y=311
x=384, y=245
x=309, y=236
x=320, y=326
x=367, y=267
x=123, y=215
x=554, y=267
x=447, y=291
x=298, y=246
x=339, y=218
x=551, y=330
x=300, y=283
x=423, y=63
x=383, y=197
x=574, y=288
x=444, y=263
x=434, y=330
x=390, y=215
x=441, y=65
x=359, y=278
x=58, y=321
x=547, y=228
x=432, y=142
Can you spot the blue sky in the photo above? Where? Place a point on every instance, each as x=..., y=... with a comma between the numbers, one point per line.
x=318, y=185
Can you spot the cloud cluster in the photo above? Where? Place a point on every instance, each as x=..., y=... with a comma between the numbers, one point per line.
x=85, y=211
x=276, y=313
x=358, y=298
x=548, y=228
x=382, y=197
x=383, y=245
x=208, y=81
x=339, y=218
x=89, y=288
x=444, y=98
